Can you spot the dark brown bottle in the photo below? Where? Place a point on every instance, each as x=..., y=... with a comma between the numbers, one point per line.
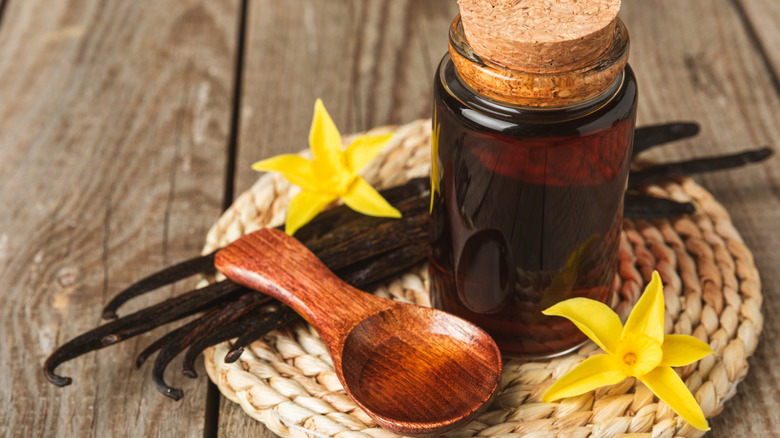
x=528, y=185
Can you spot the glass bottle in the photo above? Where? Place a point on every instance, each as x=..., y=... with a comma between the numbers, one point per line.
x=528, y=176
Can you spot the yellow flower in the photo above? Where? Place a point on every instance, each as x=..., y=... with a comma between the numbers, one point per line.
x=640, y=349
x=332, y=174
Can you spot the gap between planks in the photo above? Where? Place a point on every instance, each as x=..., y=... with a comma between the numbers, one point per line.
x=211, y=415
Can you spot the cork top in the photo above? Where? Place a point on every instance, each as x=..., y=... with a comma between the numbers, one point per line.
x=542, y=36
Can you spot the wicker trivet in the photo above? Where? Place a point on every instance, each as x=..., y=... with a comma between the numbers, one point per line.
x=712, y=291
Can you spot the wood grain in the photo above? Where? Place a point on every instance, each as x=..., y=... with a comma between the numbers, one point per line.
x=114, y=121
x=762, y=24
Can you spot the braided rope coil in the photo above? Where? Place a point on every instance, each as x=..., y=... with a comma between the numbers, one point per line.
x=712, y=291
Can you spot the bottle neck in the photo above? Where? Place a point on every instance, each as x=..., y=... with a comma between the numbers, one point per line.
x=538, y=89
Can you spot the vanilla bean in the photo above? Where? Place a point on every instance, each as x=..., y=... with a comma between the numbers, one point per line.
x=137, y=323
x=349, y=226
x=199, y=300
x=187, y=268
x=225, y=333
x=203, y=320
x=259, y=327
x=375, y=270
x=248, y=328
x=164, y=340
x=334, y=225
x=343, y=251
x=208, y=323
x=342, y=219
x=640, y=206
x=699, y=165
x=647, y=137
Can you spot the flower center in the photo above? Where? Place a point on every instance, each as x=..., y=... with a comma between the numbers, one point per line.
x=638, y=354
x=334, y=179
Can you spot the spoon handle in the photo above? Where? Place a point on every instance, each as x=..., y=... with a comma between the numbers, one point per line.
x=278, y=265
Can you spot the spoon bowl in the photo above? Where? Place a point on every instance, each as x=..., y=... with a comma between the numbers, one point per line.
x=382, y=352
x=415, y=370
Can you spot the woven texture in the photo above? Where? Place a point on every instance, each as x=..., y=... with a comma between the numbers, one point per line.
x=712, y=291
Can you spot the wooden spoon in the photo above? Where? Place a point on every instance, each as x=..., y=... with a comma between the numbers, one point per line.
x=415, y=370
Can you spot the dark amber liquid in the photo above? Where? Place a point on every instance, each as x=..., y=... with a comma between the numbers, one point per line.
x=527, y=209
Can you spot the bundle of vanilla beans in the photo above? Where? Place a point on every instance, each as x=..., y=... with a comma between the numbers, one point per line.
x=361, y=250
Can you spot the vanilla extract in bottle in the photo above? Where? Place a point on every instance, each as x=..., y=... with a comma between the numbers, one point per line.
x=532, y=138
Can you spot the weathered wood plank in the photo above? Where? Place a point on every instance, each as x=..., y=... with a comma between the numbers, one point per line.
x=114, y=120
x=372, y=63
x=763, y=18
x=695, y=60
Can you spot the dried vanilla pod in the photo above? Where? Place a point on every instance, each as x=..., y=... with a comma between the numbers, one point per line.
x=698, y=165
x=360, y=261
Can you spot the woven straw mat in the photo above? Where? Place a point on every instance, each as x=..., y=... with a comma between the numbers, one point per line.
x=712, y=291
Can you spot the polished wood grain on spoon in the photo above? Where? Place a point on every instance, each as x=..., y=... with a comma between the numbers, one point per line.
x=415, y=370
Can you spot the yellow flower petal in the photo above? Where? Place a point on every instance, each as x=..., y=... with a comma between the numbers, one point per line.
x=295, y=169
x=647, y=317
x=681, y=350
x=435, y=177
x=362, y=198
x=668, y=386
x=364, y=149
x=593, y=372
x=593, y=318
x=303, y=207
x=324, y=137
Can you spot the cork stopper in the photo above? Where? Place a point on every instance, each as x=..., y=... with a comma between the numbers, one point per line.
x=539, y=53
x=542, y=36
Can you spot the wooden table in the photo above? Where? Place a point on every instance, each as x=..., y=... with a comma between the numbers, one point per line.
x=126, y=127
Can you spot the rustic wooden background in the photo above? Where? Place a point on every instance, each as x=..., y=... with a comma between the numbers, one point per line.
x=126, y=127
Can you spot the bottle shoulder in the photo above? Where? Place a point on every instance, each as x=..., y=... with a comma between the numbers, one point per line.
x=452, y=94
